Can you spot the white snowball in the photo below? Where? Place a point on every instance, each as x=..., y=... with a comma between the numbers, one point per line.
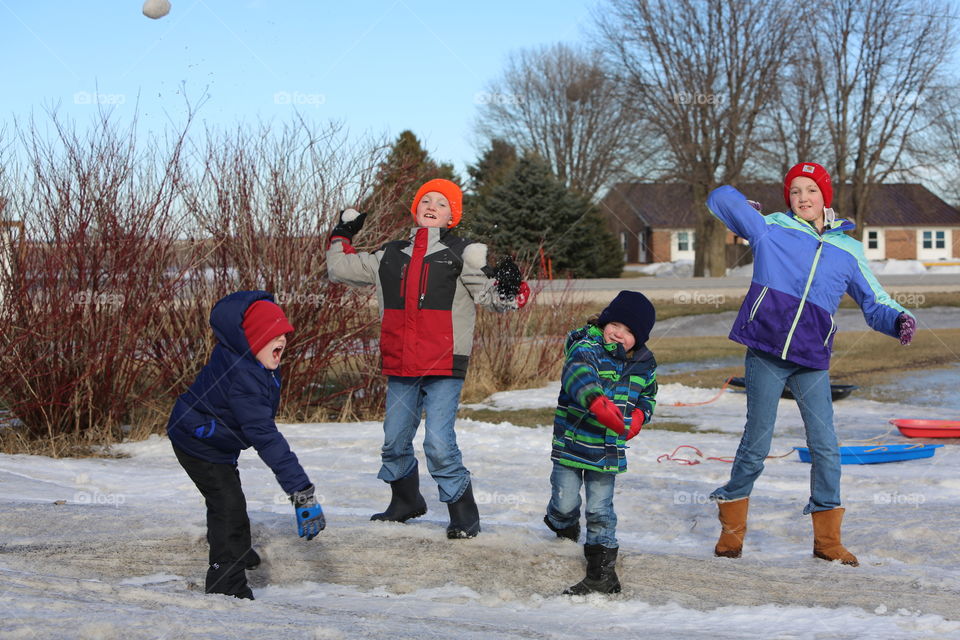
x=156, y=8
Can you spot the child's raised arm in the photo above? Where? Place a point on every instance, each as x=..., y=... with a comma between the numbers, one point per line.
x=735, y=211
x=344, y=264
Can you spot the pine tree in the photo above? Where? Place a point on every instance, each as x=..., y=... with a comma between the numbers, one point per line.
x=407, y=166
x=531, y=209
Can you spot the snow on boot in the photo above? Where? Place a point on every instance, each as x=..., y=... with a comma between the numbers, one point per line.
x=826, y=537
x=601, y=572
x=570, y=533
x=406, y=501
x=733, y=527
x=252, y=559
x=464, y=516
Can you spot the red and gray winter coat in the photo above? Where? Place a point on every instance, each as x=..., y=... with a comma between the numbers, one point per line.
x=427, y=289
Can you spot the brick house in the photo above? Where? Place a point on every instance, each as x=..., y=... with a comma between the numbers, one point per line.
x=655, y=221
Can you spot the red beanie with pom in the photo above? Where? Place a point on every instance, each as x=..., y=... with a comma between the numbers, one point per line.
x=816, y=173
x=449, y=190
x=262, y=322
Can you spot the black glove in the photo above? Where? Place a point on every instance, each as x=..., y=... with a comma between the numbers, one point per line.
x=310, y=520
x=351, y=221
x=508, y=278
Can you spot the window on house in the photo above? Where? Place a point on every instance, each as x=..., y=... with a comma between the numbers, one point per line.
x=934, y=239
x=873, y=240
x=683, y=240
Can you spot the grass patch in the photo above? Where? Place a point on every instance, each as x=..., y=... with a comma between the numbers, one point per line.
x=677, y=426
x=520, y=417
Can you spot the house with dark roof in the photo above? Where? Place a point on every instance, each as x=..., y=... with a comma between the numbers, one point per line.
x=655, y=222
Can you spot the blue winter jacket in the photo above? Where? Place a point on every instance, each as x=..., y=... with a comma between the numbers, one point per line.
x=233, y=402
x=799, y=277
x=591, y=368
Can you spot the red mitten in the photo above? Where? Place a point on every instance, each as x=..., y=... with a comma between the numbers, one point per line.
x=523, y=295
x=608, y=414
x=636, y=423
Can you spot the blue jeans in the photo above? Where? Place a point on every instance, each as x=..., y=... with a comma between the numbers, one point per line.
x=564, y=507
x=766, y=376
x=407, y=399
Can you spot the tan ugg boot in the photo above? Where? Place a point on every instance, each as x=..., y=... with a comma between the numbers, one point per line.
x=733, y=526
x=826, y=537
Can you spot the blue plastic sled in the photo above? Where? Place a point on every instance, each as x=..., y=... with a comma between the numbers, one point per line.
x=872, y=454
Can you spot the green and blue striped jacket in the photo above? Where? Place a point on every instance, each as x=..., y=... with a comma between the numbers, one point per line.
x=591, y=368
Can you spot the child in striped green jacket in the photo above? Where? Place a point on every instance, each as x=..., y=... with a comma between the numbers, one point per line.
x=608, y=391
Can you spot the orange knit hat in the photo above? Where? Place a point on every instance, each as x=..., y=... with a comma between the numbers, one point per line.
x=449, y=190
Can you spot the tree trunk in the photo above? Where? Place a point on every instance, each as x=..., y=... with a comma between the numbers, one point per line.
x=709, y=240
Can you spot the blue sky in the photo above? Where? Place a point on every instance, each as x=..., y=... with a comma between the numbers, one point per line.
x=381, y=66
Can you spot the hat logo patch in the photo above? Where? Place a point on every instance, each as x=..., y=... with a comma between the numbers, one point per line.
x=808, y=168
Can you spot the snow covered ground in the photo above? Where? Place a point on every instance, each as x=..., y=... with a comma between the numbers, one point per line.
x=124, y=556
x=114, y=548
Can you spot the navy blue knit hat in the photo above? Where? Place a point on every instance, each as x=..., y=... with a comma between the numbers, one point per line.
x=634, y=310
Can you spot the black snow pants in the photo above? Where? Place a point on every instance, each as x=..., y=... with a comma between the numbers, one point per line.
x=228, y=527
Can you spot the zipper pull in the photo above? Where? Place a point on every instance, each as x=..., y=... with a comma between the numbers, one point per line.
x=420, y=301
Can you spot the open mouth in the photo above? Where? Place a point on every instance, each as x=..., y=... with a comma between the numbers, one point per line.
x=277, y=352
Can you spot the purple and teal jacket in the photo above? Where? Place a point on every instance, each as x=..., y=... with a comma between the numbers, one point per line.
x=799, y=277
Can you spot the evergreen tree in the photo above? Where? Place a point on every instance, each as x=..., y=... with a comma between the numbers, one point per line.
x=531, y=209
x=407, y=166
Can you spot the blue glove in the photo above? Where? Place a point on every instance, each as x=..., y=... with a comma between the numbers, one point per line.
x=310, y=520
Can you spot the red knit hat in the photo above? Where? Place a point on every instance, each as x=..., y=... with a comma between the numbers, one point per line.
x=449, y=190
x=816, y=173
x=262, y=322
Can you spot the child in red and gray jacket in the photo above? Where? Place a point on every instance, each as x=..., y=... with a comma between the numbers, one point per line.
x=428, y=286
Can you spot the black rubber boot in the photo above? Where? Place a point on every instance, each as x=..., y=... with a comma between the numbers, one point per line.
x=570, y=533
x=252, y=559
x=406, y=501
x=464, y=516
x=601, y=572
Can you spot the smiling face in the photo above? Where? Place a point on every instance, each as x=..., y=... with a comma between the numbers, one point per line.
x=806, y=200
x=619, y=332
x=270, y=355
x=433, y=210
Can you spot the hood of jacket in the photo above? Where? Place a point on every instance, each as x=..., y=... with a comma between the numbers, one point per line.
x=226, y=320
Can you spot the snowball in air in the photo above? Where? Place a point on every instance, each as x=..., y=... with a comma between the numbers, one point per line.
x=156, y=8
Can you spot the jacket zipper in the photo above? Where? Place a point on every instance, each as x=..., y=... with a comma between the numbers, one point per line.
x=403, y=281
x=756, y=304
x=803, y=300
x=424, y=274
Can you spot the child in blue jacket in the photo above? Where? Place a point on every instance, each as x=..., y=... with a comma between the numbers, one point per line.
x=229, y=407
x=803, y=265
x=608, y=391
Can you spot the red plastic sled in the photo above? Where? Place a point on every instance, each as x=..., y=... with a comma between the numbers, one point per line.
x=928, y=428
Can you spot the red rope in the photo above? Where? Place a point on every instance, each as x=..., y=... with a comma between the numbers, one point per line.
x=673, y=457
x=713, y=399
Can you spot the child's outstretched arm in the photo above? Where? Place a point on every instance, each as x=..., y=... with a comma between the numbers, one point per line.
x=735, y=211
x=882, y=313
x=344, y=264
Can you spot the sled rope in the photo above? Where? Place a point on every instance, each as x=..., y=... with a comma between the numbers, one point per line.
x=673, y=457
x=700, y=404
